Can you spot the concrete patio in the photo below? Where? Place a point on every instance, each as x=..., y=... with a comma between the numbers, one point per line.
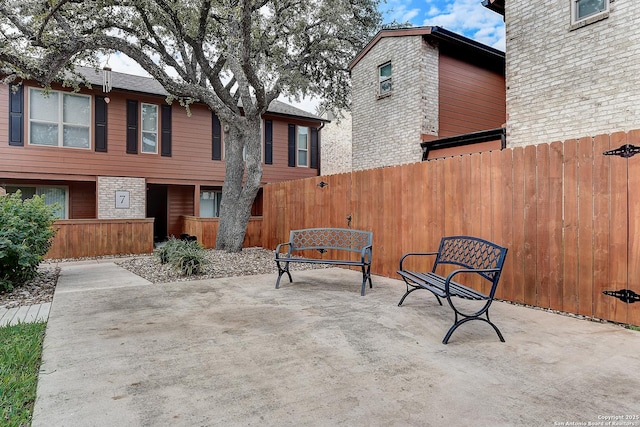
x=120, y=351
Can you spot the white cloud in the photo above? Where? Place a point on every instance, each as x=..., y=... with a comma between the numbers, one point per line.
x=398, y=11
x=470, y=18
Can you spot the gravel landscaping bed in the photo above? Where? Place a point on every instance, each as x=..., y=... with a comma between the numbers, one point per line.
x=249, y=262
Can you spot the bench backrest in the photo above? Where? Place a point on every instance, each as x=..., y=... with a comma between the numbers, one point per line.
x=330, y=238
x=473, y=253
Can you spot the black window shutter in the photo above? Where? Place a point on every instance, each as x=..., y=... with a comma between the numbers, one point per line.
x=101, y=124
x=292, y=145
x=216, y=138
x=165, y=138
x=16, y=115
x=268, y=142
x=315, y=148
x=132, y=126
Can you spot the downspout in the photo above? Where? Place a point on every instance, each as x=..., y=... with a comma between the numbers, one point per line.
x=319, y=149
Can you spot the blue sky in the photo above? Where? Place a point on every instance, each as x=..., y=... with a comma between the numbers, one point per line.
x=466, y=17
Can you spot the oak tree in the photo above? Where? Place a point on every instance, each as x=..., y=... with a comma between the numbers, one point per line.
x=235, y=56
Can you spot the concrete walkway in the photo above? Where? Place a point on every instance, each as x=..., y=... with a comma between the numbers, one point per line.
x=237, y=352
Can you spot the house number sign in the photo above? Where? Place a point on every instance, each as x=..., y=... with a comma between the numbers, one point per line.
x=122, y=200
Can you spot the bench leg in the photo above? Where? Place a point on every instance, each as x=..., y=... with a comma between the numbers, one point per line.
x=411, y=288
x=467, y=319
x=366, y=275
x=281, y=271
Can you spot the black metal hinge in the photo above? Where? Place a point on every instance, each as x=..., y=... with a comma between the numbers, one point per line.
x=625, y=151
x=625, y=295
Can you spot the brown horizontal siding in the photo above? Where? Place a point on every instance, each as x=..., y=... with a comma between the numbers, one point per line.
x=460, y=123
x=471, y=97
x=191, y=149
x=279, y=170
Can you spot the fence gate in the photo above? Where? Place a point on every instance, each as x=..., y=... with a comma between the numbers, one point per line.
x=620, y=297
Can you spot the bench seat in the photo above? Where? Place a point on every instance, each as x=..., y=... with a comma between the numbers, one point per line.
x=475, y=257
x=436, y=284
x=322, y=240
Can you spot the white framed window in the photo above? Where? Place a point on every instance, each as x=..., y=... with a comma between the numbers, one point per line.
x=149, y=138
x=59, y=119
x=53, y=195
x=210, y=203
x=303, y=146
x=588, y=10
x=384, y=79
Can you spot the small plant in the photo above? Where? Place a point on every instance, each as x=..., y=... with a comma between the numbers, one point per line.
x=191, y=259
x=26, y=233
x=187, y=256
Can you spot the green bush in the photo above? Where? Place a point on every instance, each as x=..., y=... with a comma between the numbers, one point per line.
x=26, y=234
x=187, y=256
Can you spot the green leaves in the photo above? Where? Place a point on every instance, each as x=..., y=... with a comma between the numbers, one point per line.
x=26, y=233
x=187, y=256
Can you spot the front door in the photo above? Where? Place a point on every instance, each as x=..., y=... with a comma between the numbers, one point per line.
x=157, y=208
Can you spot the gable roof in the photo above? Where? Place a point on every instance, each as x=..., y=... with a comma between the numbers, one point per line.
x=150, y=86
x=434, y=32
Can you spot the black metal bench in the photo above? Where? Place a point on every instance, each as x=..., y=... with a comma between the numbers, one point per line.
x=322, y=240
x=474, y=255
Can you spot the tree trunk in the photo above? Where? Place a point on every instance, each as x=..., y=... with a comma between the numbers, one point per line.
x=239, y=189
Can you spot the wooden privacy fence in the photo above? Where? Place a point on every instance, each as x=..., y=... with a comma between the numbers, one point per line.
x=206, y=231
x=97, y=237
x=569, y=215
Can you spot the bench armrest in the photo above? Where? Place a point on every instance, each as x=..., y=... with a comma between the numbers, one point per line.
x=415, y=254
x=471, y=270
x=366, y=254
x=280, y=245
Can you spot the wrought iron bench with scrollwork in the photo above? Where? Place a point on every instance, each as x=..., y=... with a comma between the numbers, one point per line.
x=475, y=256
x=322, y=240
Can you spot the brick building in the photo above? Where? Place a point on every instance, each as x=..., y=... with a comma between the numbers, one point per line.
x=336, y=144
x=415, y=86
x=572, y=68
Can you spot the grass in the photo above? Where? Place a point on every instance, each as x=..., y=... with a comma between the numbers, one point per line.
x=20, y=358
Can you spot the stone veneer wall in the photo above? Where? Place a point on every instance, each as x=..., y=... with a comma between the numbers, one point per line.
x=564, y=83
x=107, y=187
x=387, y=130
x=335, y=145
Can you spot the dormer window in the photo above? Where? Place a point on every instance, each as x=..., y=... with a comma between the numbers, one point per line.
x=384, y=76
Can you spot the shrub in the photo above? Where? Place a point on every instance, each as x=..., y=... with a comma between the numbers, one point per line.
x=187, y=256
x=26, y=234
